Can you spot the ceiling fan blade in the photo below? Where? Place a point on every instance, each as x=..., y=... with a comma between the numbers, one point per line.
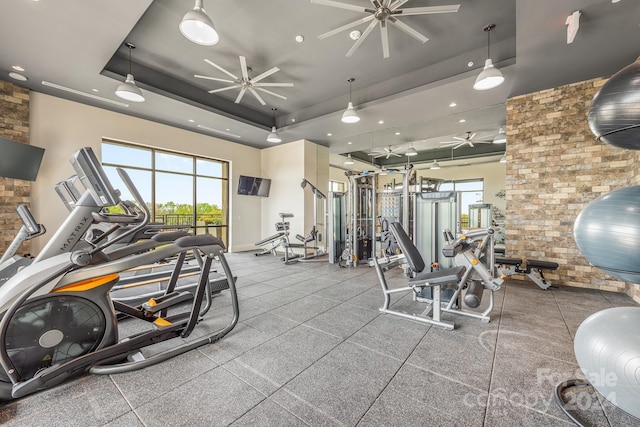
x=339, y=5
x=472, y=136
x=265, y=74
x=393, y=154
x=213, y=64
x=223, y=89
x=385, y=39
x=260, y=100
x=240, y=95
x=271, y=93
x=346, y=27
x=407, y=29
x=198, y=76
x=428, y=10
x=459, y=139
x=243, y=68
x=272, y=84
x=471, y=144
x=358, y=42
x=375, y=3
x=396, y=4
x=385, y=3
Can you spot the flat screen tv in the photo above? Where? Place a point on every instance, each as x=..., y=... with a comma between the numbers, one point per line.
x=253, y=186
x=18, y=160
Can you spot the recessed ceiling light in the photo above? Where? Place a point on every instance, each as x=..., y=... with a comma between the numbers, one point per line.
x=461, y=121
x=453, y=104
x=329, y=134
x=381, y=122
x=470, y=64
x=300, y=38
x=17, y=68
x=397, y=133
x=18, y=76
x=95, y=90
x=355, y=35
x=293, y=120
x=191, y=121
x=615, y=1
x=349, y=143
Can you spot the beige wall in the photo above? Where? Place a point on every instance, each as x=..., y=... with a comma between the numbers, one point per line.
x=286, y=165
x=62, y=126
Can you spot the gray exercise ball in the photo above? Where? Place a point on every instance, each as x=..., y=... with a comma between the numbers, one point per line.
x=614, y=116
x=607, y=232
x=607, y=348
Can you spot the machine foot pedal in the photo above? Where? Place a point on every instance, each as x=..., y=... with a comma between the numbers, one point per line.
x=155, y=305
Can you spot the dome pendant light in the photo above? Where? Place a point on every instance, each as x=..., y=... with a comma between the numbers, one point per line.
x=490, y=76
x=198, y=27
x=350, y=115
x=273, y=135
x=349, y=160
x=435, y=165
x=128, y=90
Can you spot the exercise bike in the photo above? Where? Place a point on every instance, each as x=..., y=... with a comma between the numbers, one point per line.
x=58, y=319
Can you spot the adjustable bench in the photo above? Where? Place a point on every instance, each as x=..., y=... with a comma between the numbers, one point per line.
x=533, y=269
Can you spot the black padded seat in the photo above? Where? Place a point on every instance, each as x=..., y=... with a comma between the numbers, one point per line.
x=507, y=261
x=543, y=265
x=199, y=240
x=440, y=277
x=169, y=236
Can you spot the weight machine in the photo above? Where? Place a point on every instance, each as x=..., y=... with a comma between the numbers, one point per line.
x=315, y=237
x=364, y=212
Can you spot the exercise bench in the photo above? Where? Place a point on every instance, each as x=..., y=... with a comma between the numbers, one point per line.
x=533, y=269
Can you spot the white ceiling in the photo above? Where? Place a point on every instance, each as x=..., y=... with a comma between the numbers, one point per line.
x=80, y=45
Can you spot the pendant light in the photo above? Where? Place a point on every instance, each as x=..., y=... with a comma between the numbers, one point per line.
x=128, y=90
x=350, y=115
x=501, y=137
x=490, y=76
x=435, y=165
x=349, y=160
x=198, y=27
x=411, y=151
x=273, y=135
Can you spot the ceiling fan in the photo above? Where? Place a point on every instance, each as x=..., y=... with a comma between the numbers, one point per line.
x=383, y=12
x=469, y=140
x=245, y=83
x=385, y=152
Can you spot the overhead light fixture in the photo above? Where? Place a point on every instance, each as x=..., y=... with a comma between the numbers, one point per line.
x=501, y=137
x=349, y=160
x=490, y=76
x=411, y=151
x=128, y=90
x=350, y=115
x=18, y=76
x=198, y=27
x=503, y=159
x=435, y=165
x=273, y=135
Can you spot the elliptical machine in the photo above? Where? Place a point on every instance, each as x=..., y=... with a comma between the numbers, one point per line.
x=58, y=318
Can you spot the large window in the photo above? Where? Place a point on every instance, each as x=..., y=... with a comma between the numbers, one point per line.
x=179, y=189
x=471, y=192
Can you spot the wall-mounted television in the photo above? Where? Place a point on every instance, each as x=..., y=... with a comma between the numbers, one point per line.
x=254, y=186
x=18, y=160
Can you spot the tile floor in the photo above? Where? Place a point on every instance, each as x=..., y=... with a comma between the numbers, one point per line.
x=312, y=349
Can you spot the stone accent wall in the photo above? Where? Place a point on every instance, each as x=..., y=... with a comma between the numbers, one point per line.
x=14, y=125
x=555, y=167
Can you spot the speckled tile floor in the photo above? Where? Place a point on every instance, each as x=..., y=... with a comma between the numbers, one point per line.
x=312, y=349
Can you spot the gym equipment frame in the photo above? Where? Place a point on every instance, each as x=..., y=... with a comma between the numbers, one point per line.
x=442, y=289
